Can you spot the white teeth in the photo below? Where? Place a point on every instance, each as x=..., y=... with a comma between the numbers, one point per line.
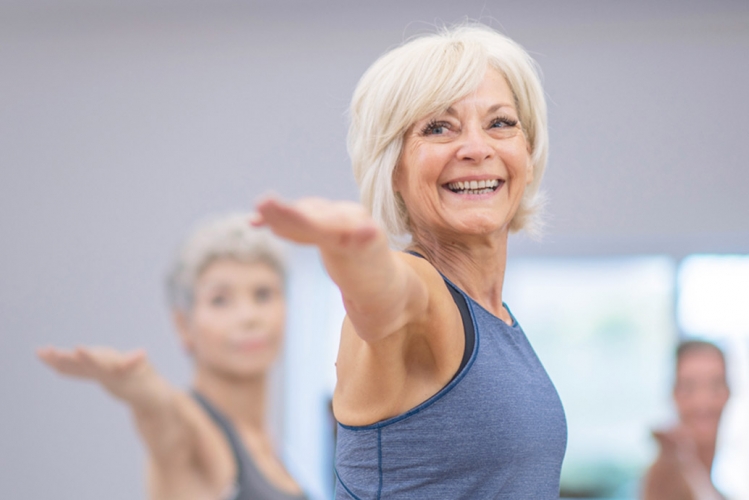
x=474, y=187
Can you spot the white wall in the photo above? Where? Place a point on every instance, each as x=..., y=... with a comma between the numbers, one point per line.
x=121, y=123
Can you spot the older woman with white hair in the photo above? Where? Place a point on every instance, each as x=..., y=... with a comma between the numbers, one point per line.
x=226, y=290
x=439, y=393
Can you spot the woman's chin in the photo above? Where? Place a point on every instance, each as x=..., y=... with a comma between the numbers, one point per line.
x=486, y=225
x=244, y=368
x=252, y=371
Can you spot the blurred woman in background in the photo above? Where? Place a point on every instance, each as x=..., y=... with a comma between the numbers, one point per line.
x=685, y=460
x=226, y=290
x=439, y=395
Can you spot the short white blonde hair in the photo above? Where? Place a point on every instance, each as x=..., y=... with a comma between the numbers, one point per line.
x=425, y=76
x=215, y=238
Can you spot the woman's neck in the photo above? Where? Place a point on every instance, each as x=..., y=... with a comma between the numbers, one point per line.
x=477, y=266
x=242, y=400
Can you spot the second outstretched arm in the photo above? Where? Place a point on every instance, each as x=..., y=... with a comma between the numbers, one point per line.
x=158, y=408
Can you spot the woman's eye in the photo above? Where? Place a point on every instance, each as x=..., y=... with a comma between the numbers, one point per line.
x=435, y=128
x=263, y=294
x=219, y=300
x=503, y=122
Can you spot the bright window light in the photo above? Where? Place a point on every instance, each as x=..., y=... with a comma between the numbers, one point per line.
x=714, y=295
x=604, y=329
x=714, y=304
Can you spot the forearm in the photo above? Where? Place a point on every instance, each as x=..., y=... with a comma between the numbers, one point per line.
x=367, y=275
x=380, y=291
x=164, y=428
x=155, y=400
x=678, y=477
x=699, y=481
x=377, y=287
x=142, y=388
x=159, y=409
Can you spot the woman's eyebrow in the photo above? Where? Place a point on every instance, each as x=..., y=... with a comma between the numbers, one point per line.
x=495, y=107
x=213, y=285
x=499, y=106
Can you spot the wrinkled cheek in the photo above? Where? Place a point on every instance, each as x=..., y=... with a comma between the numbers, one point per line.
x=513, y=200
x=412, y=211
x=425, y=216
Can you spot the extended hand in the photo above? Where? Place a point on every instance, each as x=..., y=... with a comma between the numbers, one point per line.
x=679, y=449
x=677, y=444
x=118, y=372
x=331, y=225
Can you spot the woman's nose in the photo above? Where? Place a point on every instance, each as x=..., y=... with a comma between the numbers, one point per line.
x=475, y=145
x=248, y=312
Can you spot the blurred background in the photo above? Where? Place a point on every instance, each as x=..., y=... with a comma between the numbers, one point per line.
x=121, y=123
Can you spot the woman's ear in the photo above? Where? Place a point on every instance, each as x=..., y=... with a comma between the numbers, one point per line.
x=182, y=325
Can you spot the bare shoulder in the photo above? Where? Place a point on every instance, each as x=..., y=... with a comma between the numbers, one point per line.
x=377, y=380
x=420, y=265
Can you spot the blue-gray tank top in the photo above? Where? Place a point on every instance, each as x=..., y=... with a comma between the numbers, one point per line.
x=496, y=431
x=250, y=484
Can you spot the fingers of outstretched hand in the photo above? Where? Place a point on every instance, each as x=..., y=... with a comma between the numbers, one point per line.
x=66, y=362
x=90, y=362
x=285, y=220
x=319, y=221
x=108, y=361
x=676, y=441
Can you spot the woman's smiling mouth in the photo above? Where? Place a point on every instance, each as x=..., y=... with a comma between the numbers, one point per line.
x=474, y=187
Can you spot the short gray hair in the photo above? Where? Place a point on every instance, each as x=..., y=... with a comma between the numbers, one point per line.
x=424, y=76
x=222, y=237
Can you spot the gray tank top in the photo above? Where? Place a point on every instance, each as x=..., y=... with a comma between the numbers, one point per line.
x=250, y=483
x=496, y=431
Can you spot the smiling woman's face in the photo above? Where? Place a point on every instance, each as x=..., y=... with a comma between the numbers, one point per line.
x=237, y=320
x=464, y=171
x=701, y=392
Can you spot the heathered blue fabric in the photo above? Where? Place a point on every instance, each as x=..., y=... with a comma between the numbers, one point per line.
x=497, y=431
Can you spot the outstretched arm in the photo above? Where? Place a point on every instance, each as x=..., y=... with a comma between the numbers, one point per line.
x=678, y=473
x=159, y=409
x=381, y=291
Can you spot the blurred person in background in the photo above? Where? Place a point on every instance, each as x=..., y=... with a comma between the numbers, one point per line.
x=685, y=460
x=226, y=289
x=440, y=394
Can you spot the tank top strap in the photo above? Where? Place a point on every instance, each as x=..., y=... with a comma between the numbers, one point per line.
x=228, y=430
x=250, y=483
x=461, y=301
